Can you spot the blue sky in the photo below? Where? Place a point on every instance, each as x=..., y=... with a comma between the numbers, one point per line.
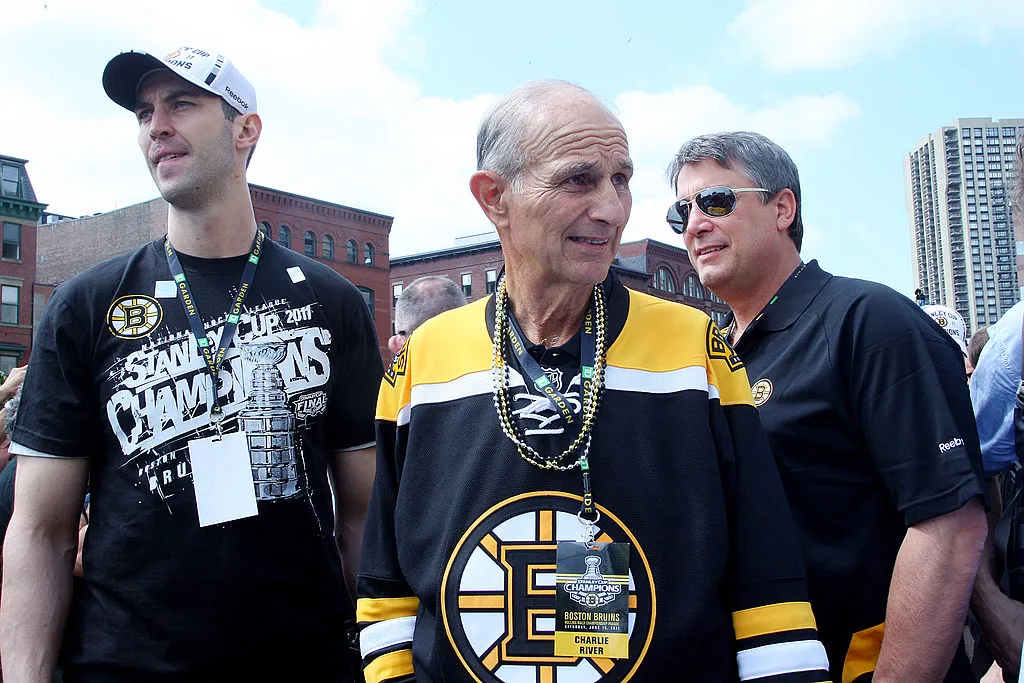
x=375, y=105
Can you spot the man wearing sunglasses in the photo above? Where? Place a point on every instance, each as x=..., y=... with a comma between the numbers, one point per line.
x=866, y=407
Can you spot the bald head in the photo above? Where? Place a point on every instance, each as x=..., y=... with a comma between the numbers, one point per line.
x=419, y=302
x=502, y=141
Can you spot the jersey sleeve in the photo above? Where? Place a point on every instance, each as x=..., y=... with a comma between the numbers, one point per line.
x=908, y=390
x=386, y=608
x=776, y=633
x=351, y=421
x=57, y=415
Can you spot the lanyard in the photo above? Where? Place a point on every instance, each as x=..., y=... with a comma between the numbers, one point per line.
x=535, y=374
x=214, y=358
x=588, y=514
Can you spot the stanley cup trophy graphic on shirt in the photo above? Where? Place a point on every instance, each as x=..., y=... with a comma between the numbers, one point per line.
x=270, y=426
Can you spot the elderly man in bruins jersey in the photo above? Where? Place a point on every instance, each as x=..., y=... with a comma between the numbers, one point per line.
x=560, y=494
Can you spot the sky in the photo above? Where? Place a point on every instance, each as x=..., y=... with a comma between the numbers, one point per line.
x=375, y=103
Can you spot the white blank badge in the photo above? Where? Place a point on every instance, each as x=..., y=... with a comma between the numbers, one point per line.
x=222, y=478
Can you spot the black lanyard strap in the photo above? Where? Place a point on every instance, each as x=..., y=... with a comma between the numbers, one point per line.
x=533, y=371
x=214, y=357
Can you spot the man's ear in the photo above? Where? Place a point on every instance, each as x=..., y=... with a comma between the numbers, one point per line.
x=490, y=189
x=785, y=201
x=249, y=133
x=395, y=343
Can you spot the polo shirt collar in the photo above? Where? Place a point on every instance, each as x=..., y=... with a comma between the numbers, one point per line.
x=792, y=299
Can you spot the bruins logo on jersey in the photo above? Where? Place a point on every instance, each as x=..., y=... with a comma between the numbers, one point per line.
x=720, y=349
x=397, y=367
x=498, y=594
x=134, y=316
x=761, y=391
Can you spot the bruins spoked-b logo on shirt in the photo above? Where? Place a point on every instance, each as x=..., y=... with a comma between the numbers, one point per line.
x=499, y=594
x=134, y=316
x=761, y=391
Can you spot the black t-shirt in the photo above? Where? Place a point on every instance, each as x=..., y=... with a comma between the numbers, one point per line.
x=866, y=407
x=116, y=376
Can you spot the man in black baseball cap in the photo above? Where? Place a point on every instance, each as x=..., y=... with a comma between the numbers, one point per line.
x=207, y=420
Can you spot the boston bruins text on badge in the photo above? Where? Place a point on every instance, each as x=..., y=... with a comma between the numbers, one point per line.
x=134, y=316
x=720, y=349
x=397, y=367
x=761, y=391
x=498, y=594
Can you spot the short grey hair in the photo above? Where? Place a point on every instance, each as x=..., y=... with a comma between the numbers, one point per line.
x=424, y=298
x=499, y=140
x=763, y=162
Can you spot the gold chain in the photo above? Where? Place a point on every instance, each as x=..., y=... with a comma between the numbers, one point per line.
x=500, y=376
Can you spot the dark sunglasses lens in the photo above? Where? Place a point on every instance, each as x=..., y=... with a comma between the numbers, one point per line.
x=716, y=201
x=677, y=215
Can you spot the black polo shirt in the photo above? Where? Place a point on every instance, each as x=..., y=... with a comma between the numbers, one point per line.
x=867, y=410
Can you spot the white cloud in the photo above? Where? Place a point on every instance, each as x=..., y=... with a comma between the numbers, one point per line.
x=809, y=34
x=658, y=123
x=339, y=123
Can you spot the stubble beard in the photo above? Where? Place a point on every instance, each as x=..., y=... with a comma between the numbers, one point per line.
x=205, y=181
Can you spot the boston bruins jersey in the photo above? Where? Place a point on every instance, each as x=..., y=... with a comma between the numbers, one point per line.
x=458, y=571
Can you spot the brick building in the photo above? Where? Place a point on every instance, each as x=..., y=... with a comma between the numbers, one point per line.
x=19, y=212
x=647, y=266
x=351, y=241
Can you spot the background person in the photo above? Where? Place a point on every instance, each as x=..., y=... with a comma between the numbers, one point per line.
x=424, y=298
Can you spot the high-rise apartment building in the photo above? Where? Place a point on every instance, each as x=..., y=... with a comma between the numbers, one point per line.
x=959, y=186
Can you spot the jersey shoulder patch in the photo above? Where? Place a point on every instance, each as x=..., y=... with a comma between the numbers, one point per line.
x=719, y=349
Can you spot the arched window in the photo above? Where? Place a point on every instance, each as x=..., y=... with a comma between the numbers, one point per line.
x=328, y=250
x=693, y=288
x=351, y=251
x=265, y=229
x=368, y=254
x=664, y=281
x=367, y=296
x=284, y=237
x=310, y=243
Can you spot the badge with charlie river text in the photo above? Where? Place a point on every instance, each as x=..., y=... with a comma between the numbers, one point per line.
x=592, y=616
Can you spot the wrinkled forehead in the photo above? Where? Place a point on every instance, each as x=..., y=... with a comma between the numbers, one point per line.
x=571, y=127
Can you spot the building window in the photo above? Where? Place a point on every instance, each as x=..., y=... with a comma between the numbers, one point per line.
x=328, y=250
x=368, y=254
x=284, y=237
x=693, y=288
x=350, y=251
x=663, y=281
x=10, y=180
x=9, y=304
x=12, y=241
x=8, y=362
x=367, y=297
x=265, y=229
x=467, y=284
x=396, y=291
x=309, y=246
x=492, y=281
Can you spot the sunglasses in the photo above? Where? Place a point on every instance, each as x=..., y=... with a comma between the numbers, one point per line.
x=713, y=202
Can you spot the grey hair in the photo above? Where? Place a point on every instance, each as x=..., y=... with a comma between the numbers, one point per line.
x=423, y=299
x=763, y=162
x=499, y=140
